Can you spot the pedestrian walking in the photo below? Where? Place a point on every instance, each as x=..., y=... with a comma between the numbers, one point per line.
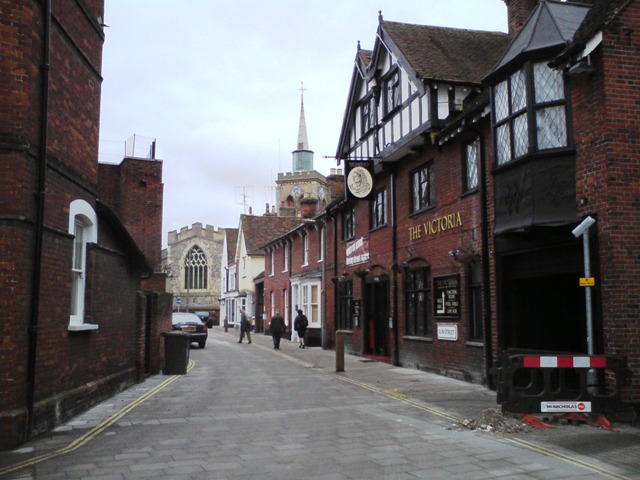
x=245, y=326
x=277, y=328
x=300, y=325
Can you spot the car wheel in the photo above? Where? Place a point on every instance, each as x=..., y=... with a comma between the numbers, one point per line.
x=201, y=344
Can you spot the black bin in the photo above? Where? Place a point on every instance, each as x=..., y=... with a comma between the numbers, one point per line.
x=176, y=352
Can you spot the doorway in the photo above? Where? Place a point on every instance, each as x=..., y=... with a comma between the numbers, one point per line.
x=376, y=316
x=542, y=304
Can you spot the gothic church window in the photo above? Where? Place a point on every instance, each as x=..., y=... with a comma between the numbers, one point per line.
x=196, y=270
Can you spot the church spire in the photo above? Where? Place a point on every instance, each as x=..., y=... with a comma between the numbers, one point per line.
x=302, y=156
x=303, y=142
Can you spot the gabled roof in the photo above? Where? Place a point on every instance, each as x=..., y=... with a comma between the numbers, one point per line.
x=258, y=231
x=427, y=54
x=551, y=26
x=444, y=54
x=232, y=243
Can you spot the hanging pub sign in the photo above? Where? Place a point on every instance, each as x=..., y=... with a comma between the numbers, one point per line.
x=359, y=180
x=447, y=296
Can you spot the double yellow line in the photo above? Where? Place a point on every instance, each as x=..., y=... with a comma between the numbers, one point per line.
x=395, y=394
x=97, y=430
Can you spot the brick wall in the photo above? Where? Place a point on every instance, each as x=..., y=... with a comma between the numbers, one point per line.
x=608, y=180
x=73, y=370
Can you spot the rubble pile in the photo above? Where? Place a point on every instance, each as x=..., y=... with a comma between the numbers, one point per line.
x=492, y=420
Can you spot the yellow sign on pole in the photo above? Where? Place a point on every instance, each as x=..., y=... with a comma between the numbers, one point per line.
x=587, y=281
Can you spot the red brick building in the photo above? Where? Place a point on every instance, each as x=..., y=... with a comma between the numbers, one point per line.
x=470, y=159
x=81, y=304
x=408, y=257
x=566, y=150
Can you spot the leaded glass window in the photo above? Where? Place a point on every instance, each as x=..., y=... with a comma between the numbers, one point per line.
x=422, y=191
x=348, y=224
x=417, y=301
x=392, y=92
x=379, y=209
x=472, y=161
x=529, y=113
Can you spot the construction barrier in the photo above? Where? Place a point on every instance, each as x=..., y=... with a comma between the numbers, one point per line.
x=535, y=382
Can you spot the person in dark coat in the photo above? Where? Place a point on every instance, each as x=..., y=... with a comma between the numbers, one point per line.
x=300, y=325
x=245, y=326
x=277, y=328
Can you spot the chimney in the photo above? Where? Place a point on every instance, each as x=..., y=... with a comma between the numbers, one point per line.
x=336, y=184
x=308, y=207
x=517, y=13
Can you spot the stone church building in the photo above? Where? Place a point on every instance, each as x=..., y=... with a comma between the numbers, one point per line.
x=192, y=263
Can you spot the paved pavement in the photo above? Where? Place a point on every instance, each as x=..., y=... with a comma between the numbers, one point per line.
x=250, y=412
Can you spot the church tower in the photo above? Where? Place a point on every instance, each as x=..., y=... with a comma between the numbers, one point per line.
x=303, y=191
x=302, y=156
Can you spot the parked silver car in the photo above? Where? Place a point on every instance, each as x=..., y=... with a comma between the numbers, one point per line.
x=191, y=323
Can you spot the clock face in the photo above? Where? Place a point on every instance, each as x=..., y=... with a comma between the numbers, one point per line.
x=321, y=193
x=296, y=191
x=360, y=182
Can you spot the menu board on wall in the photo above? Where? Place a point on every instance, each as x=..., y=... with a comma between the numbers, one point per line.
x=447, y=296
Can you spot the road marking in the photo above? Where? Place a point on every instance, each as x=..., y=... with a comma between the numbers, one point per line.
x=395, y=394
x=98, y=429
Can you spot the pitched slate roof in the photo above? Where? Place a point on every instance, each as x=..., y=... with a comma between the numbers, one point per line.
x=232, y=243
x=446, y=54
x=552, y=25
x=601, y=14
x=258, y=231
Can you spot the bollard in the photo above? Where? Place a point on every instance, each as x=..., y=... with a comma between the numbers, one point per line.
x=226, y=326
x=340, y=350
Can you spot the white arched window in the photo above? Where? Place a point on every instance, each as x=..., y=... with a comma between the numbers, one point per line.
x=83, y=225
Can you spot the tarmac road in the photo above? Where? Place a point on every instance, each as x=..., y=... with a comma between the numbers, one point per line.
x=250, y=412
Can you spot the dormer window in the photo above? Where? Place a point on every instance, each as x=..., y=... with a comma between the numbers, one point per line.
x=392, y=92
x=529, y=113
x=368, y=110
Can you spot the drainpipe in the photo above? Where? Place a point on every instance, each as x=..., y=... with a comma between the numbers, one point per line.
x=40, y=195
x=486, y=271
x=394, y=248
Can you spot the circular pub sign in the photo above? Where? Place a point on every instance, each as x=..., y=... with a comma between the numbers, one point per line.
x=359, y=182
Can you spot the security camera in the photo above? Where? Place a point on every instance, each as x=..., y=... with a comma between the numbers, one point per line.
x=583, y=227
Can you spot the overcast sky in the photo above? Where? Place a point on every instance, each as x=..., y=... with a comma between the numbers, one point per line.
x=217, y=85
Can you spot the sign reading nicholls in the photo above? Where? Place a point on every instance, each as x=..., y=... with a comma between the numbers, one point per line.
x=358, y=251
x=565, y=407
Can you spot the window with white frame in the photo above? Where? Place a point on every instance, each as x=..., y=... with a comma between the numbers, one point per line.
x=272, y=268
x=310, y=301
x=285, y=267
x=320, y=232
x=83, y=225
x=305, y=248
x=272, y=301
